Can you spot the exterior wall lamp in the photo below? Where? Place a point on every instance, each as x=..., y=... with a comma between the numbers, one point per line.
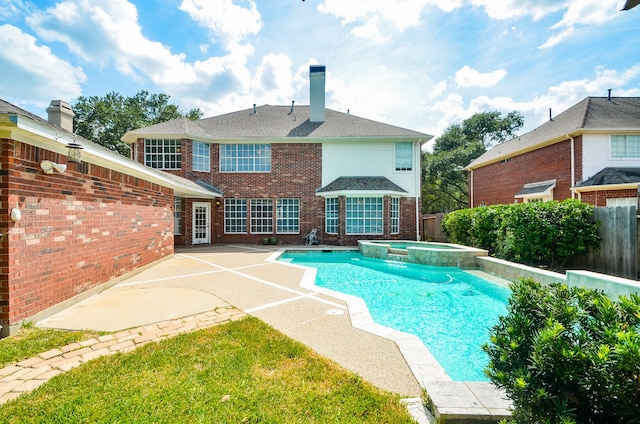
x=47, y=167
x=75, y=152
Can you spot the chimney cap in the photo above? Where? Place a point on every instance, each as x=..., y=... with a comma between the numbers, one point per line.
x=317, y=68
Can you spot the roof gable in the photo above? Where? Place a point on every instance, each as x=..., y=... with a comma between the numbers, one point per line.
x=590, y=114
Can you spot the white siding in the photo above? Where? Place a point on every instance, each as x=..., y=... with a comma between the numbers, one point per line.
x=596, y=156
x=367, y=160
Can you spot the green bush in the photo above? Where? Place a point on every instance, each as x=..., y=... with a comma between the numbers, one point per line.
x=540, y=233
x=567, y=355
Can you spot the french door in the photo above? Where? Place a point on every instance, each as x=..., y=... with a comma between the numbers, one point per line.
x=201, y=225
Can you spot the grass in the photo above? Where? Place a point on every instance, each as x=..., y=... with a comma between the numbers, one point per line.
x=241, y=372
x=31, y=340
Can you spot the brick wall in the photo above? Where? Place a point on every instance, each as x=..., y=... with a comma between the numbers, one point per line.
x=498, y=183
x=599, y=198
x=296, y=172
x=78, y=229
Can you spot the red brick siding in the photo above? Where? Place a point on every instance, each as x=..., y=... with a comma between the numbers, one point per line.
x=498, y=183
x=296, y=172
x=78, y=229
x=599, y=198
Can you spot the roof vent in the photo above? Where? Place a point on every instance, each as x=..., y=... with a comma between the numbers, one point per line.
x=291, y=111
x=609, y=95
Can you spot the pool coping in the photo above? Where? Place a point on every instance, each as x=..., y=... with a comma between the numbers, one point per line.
x=449, y=401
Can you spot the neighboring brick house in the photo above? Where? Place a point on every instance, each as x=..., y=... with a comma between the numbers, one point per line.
x=285, y=170
x=564, y=158
x=77, y=228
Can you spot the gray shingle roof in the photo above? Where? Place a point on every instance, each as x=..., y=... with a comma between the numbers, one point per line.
x=540, y=188
x=611, y=176
x=591, y=114
x=361, y=184
x=272, y=122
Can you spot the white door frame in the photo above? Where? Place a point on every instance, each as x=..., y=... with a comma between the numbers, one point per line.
x=201, y=223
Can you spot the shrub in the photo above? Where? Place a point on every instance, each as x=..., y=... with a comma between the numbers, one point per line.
x=540, y=233
x=567, y=355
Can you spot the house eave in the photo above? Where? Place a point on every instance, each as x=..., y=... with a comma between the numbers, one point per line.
x=362, y=193
x=606, y=187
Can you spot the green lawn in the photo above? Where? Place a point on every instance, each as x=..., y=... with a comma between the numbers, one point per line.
x=241, y=372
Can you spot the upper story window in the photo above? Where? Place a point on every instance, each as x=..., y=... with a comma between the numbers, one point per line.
x=625, y=146
x=200, y=156
x=163, y=153
x=404, y=156
x=245, y=158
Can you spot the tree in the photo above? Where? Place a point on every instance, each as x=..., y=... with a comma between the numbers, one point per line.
x=105, y=120
x=445, y=185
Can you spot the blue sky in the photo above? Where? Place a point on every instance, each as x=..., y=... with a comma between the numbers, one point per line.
x=418, y=64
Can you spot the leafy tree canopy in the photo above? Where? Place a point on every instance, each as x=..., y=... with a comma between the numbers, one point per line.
x=445, y=186
x=105, y=120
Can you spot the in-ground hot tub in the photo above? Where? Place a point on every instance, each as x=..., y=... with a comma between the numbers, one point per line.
x=426, y=253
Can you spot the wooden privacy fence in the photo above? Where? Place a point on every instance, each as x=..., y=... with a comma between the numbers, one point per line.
x=618, y=253
x=431, y=228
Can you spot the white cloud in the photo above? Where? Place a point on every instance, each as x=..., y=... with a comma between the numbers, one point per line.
x=227, y=22
x=507, y=9
x=35, y=69
x=378, y=20
x=467, y=77
x=438, y=89
x=108, y=31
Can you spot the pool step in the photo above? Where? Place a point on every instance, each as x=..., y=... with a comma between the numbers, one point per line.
x=397, y=257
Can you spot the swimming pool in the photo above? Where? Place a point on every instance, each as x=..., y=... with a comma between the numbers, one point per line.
x=450, y=310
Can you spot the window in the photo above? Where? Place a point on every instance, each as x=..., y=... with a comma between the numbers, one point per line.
x=394, y=218
x=261, y=216
x=200, y=156
x=625, y=146
x=235, y=215
x=245, y=158
x=177, y=215
x=288, y=216
x=162, y=153
x=404, y=156
x=364, y=215
x=331, y=215
x=622, y=201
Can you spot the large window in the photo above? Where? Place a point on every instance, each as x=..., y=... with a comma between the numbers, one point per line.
x=288, y=216
x=394, y=218
x=404, y=156
x=625, y=146
x=245, y=158
x=162, y=153
x=177, y=215
x=200, y=156
x=235, y=215
x=331, y=215
x=261, y=216
x=364, y=215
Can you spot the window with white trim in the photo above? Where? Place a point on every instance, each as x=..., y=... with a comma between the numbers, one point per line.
x=622, y=201
x=364, y=215
x=177, y=215
x=245, y=158
x=288, y=216
x=163, y=153
x=235, y=216
x=404, y=156
x=200, y=156
x=331, y=215
x=625, y=146
x=261, y=216
x=394, y=216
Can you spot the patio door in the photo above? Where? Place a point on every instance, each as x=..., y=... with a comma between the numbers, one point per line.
x=201, y=224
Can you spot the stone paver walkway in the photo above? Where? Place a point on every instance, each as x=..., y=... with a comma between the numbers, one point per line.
x=28, y=374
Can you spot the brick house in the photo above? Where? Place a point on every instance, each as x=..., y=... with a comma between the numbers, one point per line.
x=285, y=170
x=70, y=228
x=591, y=152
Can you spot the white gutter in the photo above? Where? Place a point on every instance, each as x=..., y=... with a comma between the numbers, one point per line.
x=418, y=179
x=471, y=199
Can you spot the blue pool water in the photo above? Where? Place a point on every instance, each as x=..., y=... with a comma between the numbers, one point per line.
x=450, y=310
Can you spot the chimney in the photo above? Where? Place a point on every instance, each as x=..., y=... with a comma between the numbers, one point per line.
x=316, y=82
x=60, y=114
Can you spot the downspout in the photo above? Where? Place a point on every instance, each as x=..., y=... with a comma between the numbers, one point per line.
x=418, y=187
x=471, y=199
x=573, y=166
